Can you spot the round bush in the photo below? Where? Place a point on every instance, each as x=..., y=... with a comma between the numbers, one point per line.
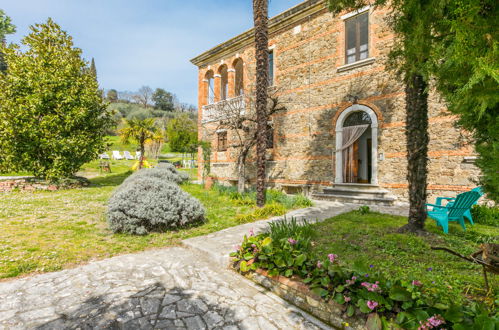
x=163, y=171
x=149, y=204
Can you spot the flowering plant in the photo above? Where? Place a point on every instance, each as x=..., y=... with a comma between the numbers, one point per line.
x=359, y=288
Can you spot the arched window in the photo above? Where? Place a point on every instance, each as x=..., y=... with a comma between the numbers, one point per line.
x=210, y=92
x=224, y=82
x=357, y=118
x=239, y=80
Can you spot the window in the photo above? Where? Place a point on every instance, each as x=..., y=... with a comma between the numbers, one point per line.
x=210, y=95
x=239, y=83
x=271, y=68
x=222, y=141
x=224, y=82
x=357, y=38
x=270, y=136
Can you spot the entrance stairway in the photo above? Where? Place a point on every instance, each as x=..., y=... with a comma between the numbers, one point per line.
x=365, y=194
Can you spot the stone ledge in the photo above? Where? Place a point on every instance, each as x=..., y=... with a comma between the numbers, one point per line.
x=355, y=65
x=297, y=293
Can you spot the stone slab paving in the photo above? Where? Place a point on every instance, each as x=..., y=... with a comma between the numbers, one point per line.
x=172, y=288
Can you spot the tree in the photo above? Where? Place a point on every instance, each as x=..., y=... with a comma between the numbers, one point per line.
x=52, y=118
x=260, y=18
x=140, y=131
x=6, y=27
x=93, y=68
x=244, y=129
x=467, y=75
x=112, y=95
x=144, y=96
x=409, y=58
x=182, y=134
x=162, y=99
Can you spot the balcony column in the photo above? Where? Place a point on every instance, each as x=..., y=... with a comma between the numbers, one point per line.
x=203, y=93
x=217, y=87
x=231, y=83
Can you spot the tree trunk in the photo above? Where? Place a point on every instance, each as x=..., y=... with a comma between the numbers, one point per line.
x=241, y=177
x=142, y=151
x=417, y=150
x=260, y=17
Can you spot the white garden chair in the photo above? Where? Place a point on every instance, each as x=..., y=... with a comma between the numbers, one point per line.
x=137, y=155
x=117, y=155
x=128, y=156
x=104, y=156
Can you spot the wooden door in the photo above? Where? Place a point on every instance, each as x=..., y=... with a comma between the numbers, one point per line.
x=352, y=170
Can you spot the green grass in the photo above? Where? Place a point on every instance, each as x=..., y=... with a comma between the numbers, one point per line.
x=371, y=238
x=48, y=231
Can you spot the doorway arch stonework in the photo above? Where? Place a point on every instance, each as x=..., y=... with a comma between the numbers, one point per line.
x=338, y=125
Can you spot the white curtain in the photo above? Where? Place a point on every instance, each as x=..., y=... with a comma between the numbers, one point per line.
x=350, y=135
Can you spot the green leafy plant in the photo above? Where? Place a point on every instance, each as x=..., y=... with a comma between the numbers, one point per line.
x=486, y=215
x=53, y=118
x=360, y=288
x=364, y=210
x=285, y=229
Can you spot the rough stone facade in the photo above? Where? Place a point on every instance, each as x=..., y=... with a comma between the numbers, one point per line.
x=316, y=86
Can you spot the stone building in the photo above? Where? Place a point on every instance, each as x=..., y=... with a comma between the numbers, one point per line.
x=342, y=133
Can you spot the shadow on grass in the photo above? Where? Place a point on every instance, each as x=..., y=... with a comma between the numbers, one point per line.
x=110, y=180
x=152, y=308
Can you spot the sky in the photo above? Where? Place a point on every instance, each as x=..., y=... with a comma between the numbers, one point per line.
x=142, y=42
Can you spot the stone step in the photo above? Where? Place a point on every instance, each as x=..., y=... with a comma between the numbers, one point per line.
x=385, y=201
x=357, y=186
x=379, y=193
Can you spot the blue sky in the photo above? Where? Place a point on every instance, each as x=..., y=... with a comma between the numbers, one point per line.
x=142, y=42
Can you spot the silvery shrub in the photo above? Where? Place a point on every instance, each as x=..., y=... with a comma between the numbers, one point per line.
x=150, y=200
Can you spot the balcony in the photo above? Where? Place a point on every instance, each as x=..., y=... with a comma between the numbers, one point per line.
x=223, y=109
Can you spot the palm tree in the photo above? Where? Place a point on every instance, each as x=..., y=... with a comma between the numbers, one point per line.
x=260, y=18
x=139, y=131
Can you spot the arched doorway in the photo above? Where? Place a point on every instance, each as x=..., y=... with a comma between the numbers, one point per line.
x=357, y=145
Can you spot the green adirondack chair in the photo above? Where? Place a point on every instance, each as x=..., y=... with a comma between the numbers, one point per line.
x=455, y=211
x=451, y=200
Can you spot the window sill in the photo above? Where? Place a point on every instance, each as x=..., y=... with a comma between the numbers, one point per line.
x=357, y=64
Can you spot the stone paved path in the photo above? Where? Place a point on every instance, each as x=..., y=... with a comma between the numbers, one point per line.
x=172, y=288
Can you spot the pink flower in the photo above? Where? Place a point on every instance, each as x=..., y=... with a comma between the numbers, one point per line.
x=417, y=283
x=354, y=278
x=292, y=241
x=372, y=304
x=347, y=299
x=436, y=320
x=319, y=264
x=251, y=232
x=332, y=257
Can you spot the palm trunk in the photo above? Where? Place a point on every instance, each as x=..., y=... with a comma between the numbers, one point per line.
x=260, y=17
x=142, y=151
x=417, y=150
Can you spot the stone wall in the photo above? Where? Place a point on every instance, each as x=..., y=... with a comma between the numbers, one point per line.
x=315, y=86
x=298, y=294
x=32, y=184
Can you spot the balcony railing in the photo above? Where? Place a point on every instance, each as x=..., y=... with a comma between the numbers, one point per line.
x=223, y=109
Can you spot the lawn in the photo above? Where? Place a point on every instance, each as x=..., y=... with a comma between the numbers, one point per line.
x=48, y=231
x=408, y=257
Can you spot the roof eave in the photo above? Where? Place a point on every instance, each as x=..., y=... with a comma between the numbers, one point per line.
x=276, y=23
